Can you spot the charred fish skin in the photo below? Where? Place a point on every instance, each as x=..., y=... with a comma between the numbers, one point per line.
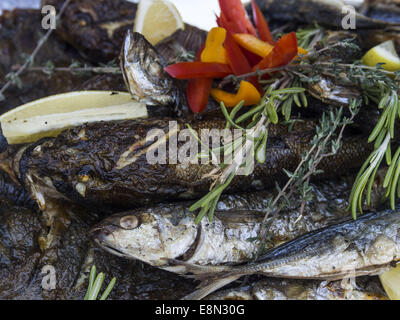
x=95, y=28
x=106, y=164
x=182, y=43
x=15, y=194
x=327, y=12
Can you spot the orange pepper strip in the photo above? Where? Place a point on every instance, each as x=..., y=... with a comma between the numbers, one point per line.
x=300, y=51
x=214, y=50
x=253, y=44
x=246, y=92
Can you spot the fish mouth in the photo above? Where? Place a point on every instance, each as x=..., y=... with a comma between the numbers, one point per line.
x=98, y=235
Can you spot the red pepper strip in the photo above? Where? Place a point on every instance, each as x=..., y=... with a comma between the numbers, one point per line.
x=284, y=51
x=251, y=57
x=235, y=13
x=237, y=60
x=199, y=52
x=198, y=90
x=261, y=24
x=223, y=22
x=193, y=70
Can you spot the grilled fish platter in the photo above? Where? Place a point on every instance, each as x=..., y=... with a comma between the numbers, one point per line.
x=265, y=148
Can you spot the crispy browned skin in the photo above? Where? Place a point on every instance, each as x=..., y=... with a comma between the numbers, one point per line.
x=373, y=14
x=20, y=33
x=91, y=158
x=95, y=28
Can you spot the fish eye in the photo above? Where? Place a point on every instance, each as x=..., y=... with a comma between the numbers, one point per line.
x=129, y=222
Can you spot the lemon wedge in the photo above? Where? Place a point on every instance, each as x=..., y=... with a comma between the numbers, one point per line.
x=157, y=20
x=49, y=116
x=383, y=53
x=391, y=283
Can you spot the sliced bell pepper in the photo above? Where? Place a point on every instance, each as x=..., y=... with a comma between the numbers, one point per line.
x=198, y=90
x=253, y=44
x=246, y=92
x=234, y=12
x=237, y=60
x=193, y=70
x=223, y=22
x=302, y=51
x=214, y=50
x=261, y=24
x=285, y=50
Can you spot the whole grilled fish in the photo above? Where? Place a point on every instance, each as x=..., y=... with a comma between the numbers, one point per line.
x=364, y=288
x=107, y=164
x=329, y=12
x=369, y=245
x=167, y=231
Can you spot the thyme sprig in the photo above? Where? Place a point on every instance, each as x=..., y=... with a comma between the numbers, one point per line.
x=76, y=68
x=13, y=77
x=326, y=143
x=95, y=284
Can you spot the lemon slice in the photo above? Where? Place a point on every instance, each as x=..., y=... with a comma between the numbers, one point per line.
x=47, y=117
x=383, y=53
x=157, y=20
x=391, y=283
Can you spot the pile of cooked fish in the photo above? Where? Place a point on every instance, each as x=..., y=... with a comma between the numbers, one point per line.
x=79, y=199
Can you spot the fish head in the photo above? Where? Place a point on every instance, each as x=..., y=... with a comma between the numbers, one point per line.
x=143, y=72
x=145, y=235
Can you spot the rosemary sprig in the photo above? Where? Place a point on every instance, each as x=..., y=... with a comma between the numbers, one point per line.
x=95, y=284
x=280, y=95
x=383, y=136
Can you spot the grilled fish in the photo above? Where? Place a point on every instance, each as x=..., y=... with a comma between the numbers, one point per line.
x=96, y=28
x=328, y=12
x=106, y=164
x=157, y=234
x=369, y=245
x=364, y=288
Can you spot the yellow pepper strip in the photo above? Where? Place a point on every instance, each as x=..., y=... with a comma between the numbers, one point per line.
x=253, y=44
x=246, y=92
x=214, y=50
x=300, y=50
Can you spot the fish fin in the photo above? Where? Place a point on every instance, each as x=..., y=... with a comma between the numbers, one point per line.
x=209, y=287
x=199, y=269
